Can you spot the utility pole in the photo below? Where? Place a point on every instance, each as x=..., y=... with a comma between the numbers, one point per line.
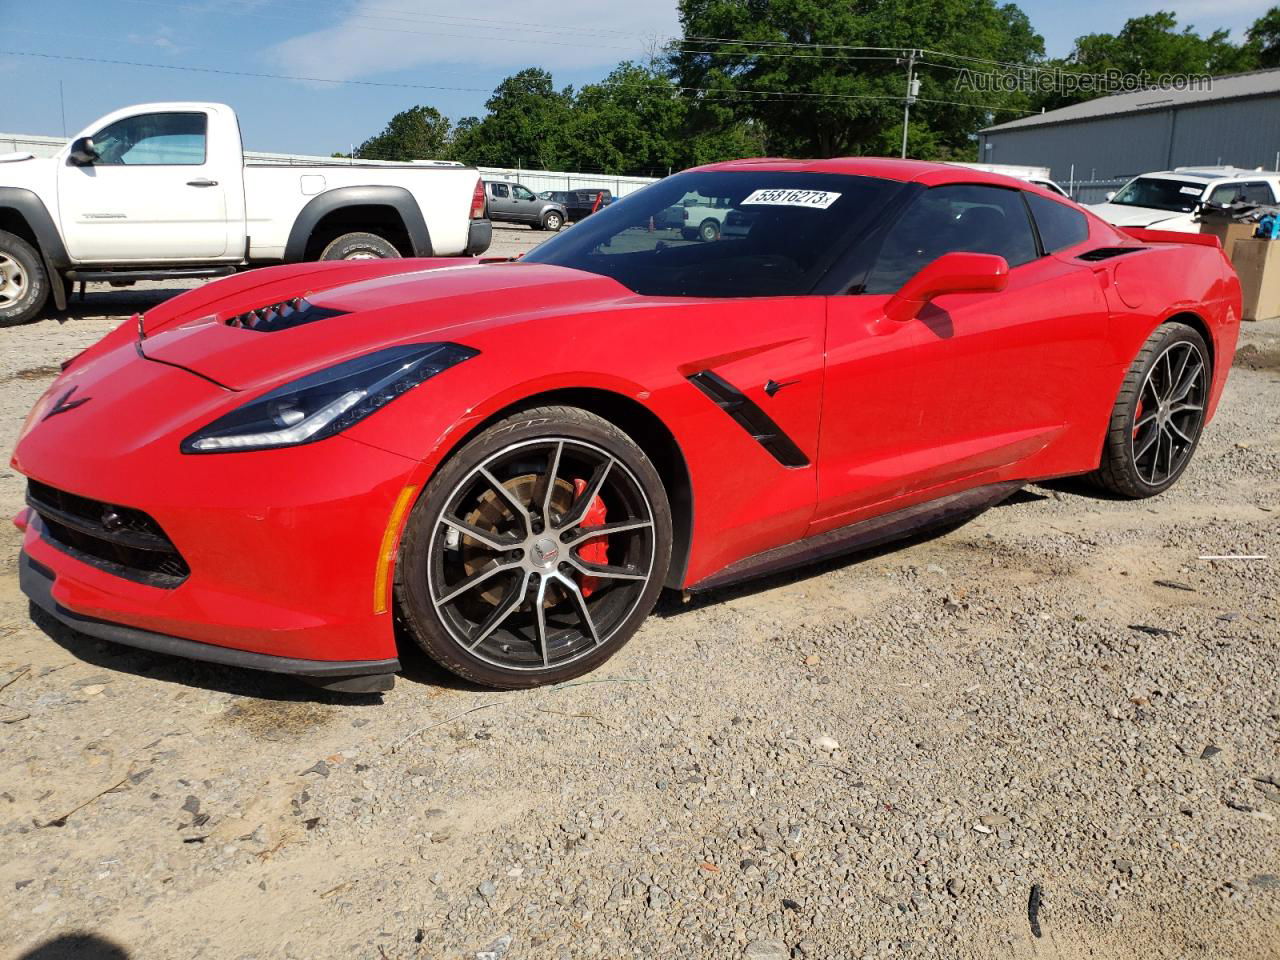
x=913, y=90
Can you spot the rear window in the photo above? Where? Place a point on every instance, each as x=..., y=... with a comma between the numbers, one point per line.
x=1059, y=225
x=733, y=234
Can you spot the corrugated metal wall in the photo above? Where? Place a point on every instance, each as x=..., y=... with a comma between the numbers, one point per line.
x=1242, y=133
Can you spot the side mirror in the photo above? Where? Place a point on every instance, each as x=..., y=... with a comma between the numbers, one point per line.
x=83, y=153
x=950, y=273
x=1110, y=195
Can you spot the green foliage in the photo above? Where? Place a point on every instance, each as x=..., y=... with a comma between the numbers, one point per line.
x=419, y=133
x=820, y=91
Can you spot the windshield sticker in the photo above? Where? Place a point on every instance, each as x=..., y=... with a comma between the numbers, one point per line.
x=1192, y=191
x=817, y=199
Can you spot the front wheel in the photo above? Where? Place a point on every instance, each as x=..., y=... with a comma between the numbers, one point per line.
x=24, y=285
x=536, y=551
x=553, y=221
x=360, y=246
x=1159, y=414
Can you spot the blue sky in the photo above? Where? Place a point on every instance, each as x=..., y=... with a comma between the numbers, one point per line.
x=443, y=53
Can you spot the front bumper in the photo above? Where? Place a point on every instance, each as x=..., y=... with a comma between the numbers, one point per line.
x=351, y=676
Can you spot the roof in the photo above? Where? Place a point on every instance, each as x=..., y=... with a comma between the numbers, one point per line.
x=1257, y=83
x=886, y=168
x=1210, y=174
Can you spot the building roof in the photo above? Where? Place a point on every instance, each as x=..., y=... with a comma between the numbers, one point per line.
x=1234, y=86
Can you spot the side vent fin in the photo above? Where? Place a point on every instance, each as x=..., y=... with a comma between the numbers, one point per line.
x=1107, y=253
x=750, y=417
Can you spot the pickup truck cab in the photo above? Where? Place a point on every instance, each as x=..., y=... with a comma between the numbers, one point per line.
x=162, y=190
x=1168, y=200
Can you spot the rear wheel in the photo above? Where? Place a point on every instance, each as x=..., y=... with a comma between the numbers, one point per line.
x=24, y=285
x=537, y=550
x=1159, y=415
x=360, y=246
x=709, y=231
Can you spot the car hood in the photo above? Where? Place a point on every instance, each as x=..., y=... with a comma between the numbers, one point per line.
x=1123, y=215
x=361, y=310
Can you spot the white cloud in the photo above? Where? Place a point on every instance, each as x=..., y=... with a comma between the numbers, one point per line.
x=381, y=36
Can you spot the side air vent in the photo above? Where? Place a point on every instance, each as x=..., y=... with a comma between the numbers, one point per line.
x=1107, y=253
x=282, y=316
x=750, y=418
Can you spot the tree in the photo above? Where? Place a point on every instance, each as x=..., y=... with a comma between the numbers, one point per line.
x=419, y=133
x=1264, y=38
x=630, y=123
x=1152, y=46
x=840, y=91
x=525, y=125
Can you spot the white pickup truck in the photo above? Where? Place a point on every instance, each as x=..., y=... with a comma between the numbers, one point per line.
x=163, y=190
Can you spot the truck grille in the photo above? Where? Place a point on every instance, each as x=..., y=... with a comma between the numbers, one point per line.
x=119, y=540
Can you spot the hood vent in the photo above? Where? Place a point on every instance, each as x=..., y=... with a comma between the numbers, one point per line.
x=282, y=316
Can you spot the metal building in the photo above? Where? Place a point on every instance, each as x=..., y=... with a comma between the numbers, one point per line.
x=1097, y=145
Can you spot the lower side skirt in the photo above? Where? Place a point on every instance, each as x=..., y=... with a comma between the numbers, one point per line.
x=868, y=533
x=349, y=676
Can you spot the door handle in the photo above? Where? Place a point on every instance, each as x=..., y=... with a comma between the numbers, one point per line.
x=202, y=183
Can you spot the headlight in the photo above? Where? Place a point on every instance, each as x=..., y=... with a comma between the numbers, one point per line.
x=324, y=403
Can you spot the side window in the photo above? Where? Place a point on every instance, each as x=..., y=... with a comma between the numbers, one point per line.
x=153, y=139
x=1060, y=226
x=955, y=218
x=499, y=190
x=520, y=193
x=1258, y=191
x=1225, y=194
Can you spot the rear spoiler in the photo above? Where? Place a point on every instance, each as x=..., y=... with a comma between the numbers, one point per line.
x=1170, y=236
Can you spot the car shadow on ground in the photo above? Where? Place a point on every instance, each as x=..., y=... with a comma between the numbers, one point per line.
x=673, y=603
x=76, y=946
x=114, y=302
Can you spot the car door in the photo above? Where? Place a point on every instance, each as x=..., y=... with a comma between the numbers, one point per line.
x=976, y=388
x=525, y=205
x=154, y=193
x=500, y=202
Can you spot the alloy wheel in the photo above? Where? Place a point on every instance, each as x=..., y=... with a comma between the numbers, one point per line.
x=1170, y=413
x=541, y=553
x=13, y=280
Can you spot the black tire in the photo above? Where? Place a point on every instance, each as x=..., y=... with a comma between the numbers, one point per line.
x=24, y=284
x=709, y=231
x=514, y=654
x=553, y=221
x=1174, y=355
x=360, y=246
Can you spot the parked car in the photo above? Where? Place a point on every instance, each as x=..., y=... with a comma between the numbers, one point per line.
x=578, y=203
x=507, y=462
x=704, y=216
x=162, y=190
x=1169, y=199
x=514, y=203
x=1037, y=175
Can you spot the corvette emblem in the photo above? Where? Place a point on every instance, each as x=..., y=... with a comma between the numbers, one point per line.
x=65, y=403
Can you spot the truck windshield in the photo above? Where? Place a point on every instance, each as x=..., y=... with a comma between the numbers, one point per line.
x=1160, y=194
x=730, y=234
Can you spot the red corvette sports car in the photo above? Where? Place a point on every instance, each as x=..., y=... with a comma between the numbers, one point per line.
x=506, y=462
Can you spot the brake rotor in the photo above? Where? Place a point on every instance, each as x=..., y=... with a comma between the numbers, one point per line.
x=493, y=515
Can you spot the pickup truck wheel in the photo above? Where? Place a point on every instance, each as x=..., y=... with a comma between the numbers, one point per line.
x=360, y=246
x=709, y=231
x=553, y=222
x=24, y=286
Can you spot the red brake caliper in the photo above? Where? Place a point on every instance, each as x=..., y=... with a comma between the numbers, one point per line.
x=593, y=551
x=1137, y=417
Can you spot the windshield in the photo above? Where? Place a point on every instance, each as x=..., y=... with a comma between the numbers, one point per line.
x=732, y=234
x=1160, y=194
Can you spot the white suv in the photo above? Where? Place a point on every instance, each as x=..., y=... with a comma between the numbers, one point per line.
x=1167, y=200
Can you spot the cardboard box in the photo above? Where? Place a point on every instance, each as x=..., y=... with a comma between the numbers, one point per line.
x=1228, y=232
x=1258, y=264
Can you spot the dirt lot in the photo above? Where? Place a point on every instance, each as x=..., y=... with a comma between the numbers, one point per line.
x=1052, y=732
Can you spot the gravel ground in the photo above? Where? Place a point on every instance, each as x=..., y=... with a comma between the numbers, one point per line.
x=1051, y=732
